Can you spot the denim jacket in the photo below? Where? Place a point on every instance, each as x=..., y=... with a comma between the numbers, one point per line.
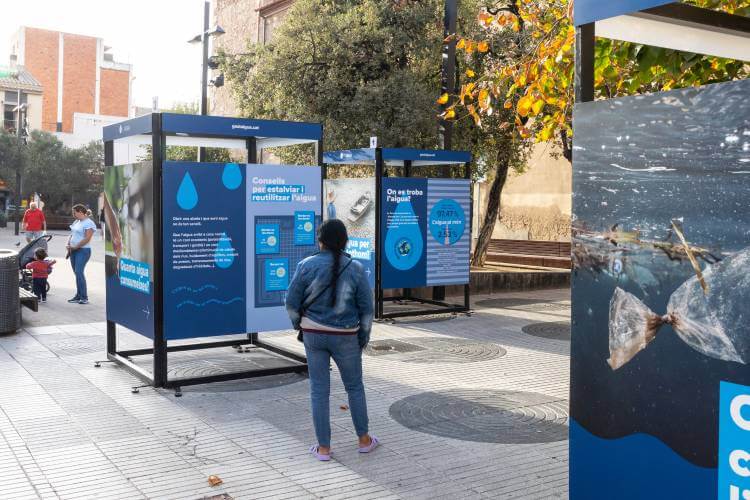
x=354, y=300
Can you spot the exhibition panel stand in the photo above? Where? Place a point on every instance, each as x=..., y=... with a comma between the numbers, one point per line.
x=660, y=383
x=197, y=250
x=414, y=232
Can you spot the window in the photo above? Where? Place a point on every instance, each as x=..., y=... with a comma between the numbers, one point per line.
x=9, y=117
x=11, y=97
x=271, y=17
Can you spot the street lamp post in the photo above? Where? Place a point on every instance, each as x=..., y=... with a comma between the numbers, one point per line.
x=448, y=79
x=203, y=39
x=21, y=134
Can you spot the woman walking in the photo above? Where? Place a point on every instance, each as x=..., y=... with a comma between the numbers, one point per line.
x=79, y=250
x=330, y=301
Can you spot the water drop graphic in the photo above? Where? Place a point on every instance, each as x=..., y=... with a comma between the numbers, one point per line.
x=232, y=176
x=187, y=195
x=403, y=240
x=224, y=256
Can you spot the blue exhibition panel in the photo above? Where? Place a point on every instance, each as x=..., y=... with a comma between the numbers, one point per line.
x=660, y=383
x=233, y=236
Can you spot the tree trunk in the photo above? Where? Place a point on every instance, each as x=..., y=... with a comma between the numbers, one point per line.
x=493, y=210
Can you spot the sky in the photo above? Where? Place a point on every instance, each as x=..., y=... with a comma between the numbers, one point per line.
x=151, y=35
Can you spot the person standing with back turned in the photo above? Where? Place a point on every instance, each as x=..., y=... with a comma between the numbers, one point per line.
x=330, y=301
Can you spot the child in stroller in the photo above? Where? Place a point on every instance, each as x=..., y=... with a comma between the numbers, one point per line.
x=27, y=255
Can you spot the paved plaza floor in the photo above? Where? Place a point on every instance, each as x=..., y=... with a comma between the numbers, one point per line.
x=466, y=407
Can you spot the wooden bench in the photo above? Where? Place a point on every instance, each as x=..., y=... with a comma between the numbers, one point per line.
x=28, y=299
x=530, y=253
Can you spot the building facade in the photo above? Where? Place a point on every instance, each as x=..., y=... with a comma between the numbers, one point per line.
x=18, y=86
x=245, y=21
x=77, y=75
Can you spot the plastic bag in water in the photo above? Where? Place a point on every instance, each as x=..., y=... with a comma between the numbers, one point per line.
x=715, y=323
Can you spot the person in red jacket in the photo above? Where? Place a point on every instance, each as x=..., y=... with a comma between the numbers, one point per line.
x=34, y=223
x=40, y=268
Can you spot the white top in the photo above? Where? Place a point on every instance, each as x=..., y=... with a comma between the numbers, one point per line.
x=78, y=232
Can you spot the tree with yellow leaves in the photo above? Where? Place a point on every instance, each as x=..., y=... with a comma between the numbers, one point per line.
x=522, y=61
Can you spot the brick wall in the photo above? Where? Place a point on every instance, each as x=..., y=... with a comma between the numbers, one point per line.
x=41, y=60
x=115, y=86
x=79, y=77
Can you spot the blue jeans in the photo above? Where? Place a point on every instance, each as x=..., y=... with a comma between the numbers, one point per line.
x=345, y=351
x=78, y=259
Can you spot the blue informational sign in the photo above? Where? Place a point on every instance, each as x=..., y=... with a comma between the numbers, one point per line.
x=135, y=275
x=267, y=238
x=129, y=251
x=304, y=228
x=229, y=245
x=426, y=241
x=276, y=275
x=734, y=442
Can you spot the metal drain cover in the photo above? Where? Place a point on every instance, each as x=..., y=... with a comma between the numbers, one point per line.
x=550, y=330
x=526, y=305
x=391, y=346
x=76, y=346
x=485, y=416
x=435, y=350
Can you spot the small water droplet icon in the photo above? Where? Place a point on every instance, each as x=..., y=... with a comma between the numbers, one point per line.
x=403, y=240
x=187, y=195
x=232, y=176
x=224, y=256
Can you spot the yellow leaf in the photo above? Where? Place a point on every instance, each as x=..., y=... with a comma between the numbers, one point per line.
x=443, y=99
x=461, y=44
x=484, y=99
x=474, y=115
x=483, y=46
x=470, y=73
x=524, y=105
x=508, y=104
x=537, y=106
x=470, y=47
x=449, y=115
x=516, y=26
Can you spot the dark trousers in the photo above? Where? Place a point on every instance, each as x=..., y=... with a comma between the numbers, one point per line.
x=39, y=287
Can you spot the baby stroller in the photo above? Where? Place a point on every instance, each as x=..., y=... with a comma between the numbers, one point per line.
x=26, y=255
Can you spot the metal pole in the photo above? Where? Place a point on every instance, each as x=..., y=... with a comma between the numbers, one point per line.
x=19, y=124
x=204, y=78
x=160, y=341
x=448, y=79
x=584, y=68
x=378, y=242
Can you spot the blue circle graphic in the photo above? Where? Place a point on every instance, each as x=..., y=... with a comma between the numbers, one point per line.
x=447, y=221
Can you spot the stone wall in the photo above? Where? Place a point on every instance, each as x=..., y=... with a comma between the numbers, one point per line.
x=535, y=204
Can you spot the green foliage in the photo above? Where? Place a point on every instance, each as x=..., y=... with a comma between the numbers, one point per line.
x=362, y=68
x=189, y=153
x=62, y=175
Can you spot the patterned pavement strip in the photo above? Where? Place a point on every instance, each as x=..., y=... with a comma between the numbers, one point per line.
x=69, y=430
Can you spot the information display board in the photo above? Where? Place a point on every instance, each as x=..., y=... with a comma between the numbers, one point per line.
x=425, y=232
x=353, y=202
x=129, y=256
x=233, y=235
x=660, y=383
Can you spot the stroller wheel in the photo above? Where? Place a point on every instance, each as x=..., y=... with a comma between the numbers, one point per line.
x=47, y=287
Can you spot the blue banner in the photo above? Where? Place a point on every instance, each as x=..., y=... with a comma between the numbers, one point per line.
x=734, y=442
x=204, y=249
x=426, y=232
x=129, y=251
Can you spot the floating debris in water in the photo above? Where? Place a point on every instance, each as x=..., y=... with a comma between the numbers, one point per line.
x=714, y=324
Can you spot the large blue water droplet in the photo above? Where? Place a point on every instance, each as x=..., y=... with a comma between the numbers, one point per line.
x=232, y=176
x=187, y=195
x=224, y=255
x=403, y=240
